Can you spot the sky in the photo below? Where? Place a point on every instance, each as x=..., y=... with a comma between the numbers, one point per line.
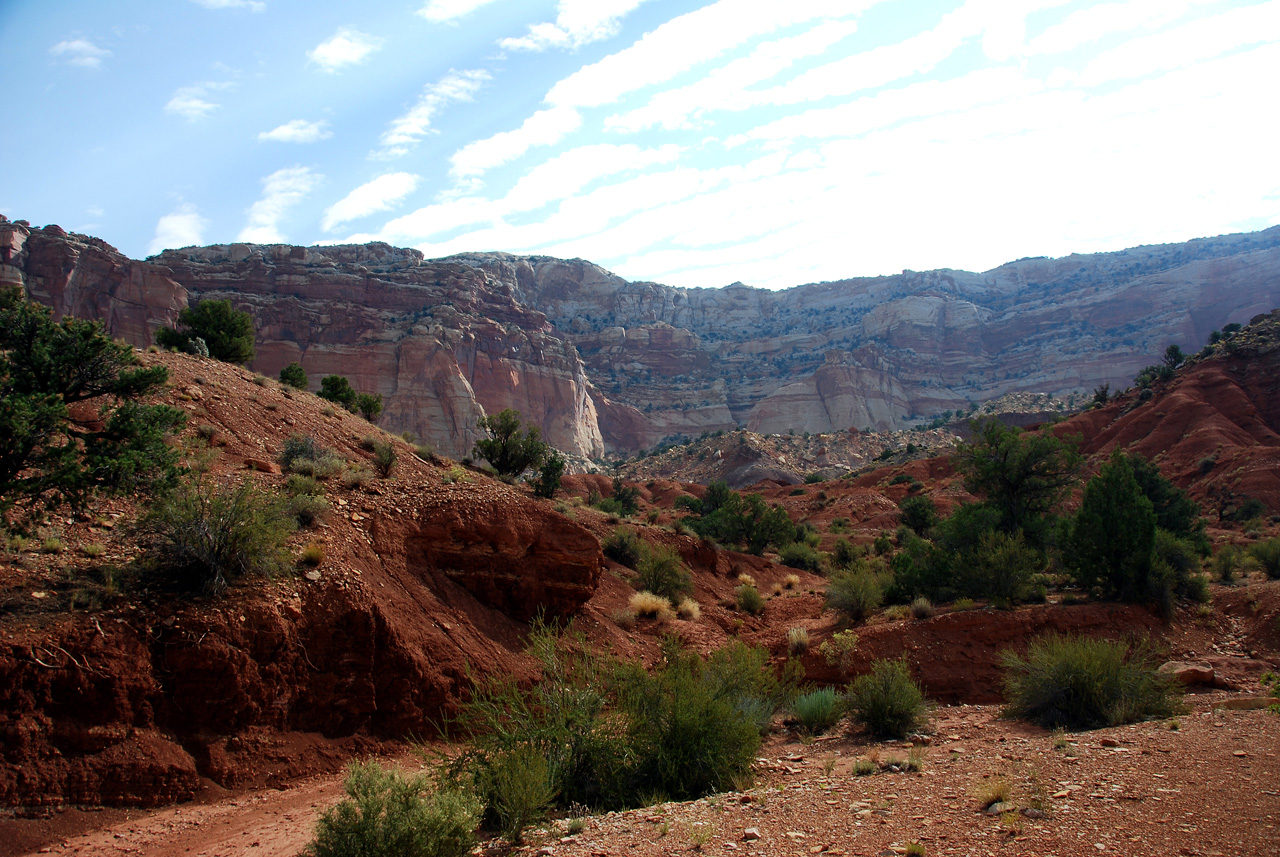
x=769, y=142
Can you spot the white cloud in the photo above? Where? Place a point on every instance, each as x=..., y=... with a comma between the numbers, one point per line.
x=1095, y=22
x=571, y=171
x=80, y=52
x=182, y=227
x=298, y=131
x=578, y=22
x=371, y=197
x=414, y=125
x=280, y=190
x=727, y=87
x=448, y=10
x=544, y=128
x=251, y=5
x=686, y=41
x=1201, y=39
x=193, y=102
x=344, y=48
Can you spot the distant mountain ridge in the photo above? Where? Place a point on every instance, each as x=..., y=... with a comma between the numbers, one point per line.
x=608, y=367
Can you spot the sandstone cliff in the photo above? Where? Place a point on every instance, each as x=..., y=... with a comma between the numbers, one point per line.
x=607, y=365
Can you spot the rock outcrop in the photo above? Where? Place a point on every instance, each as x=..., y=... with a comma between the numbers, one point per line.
x=604, y=365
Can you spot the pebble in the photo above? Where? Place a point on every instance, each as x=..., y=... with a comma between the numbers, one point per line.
x=751, y=834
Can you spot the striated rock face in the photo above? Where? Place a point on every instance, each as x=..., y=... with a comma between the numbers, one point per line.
x=88, y=278
x=606, y=365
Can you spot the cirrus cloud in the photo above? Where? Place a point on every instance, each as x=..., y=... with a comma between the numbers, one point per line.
x=298, y=131
x=80, y=52
x=371, y=197
x=280, y=191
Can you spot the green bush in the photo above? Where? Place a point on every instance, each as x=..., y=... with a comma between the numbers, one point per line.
x=384, y=458
x=549, y=476
x=51, y=372
x=623, y=547
x=1001, y=568
x=887, y=700
x=1083, y=683
x=661, y=572
x=507, y=448
x=301, y=455
x=369, y=405
x=855, y=593
x=689, y=728
x=297, y=484
x=1267, y=555
x=226, y=333
x=918, y=513
x=801, y=556
x=294, y=376
x=387, y=812
x=843, y=554
x=818, y=710
x=307, y=509
x=1111, y=542
x=749, y=599
x=208, y=535
x=337, y=389
x=521, y=790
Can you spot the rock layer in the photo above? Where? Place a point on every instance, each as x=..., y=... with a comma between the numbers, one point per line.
x=607, y=365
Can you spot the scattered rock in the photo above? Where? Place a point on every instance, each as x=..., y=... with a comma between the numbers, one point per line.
x=751, y=834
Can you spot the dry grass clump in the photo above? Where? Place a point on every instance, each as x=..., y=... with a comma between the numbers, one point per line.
x=312, y=554
x=647, y=605
x=791, y=581
x=689, y=610
x=797, y=641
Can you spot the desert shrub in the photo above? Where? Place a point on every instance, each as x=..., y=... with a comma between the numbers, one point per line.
x=1001, y=568
x=1176, y=564
x=520, y=790
x=918, y=513
x=297, y=484
x=1083, y=683
x=818, y=710
x=1267, y=555
x=689, y=610
x=94, y=550
x=312, y=554
x=550, y=475
x=749, y=599
x=688, y=727
x=812, y=478
x=297, y=449
x=207, y=432
x=660, y=571
x=388, y=812
x=510, y=450
x=839, y=650
x=1111, y=541
x=307, y=509
x=791, y=581
x=356, y=476
x=623, y=547
x=337, y=389
x=384, y=458
x=294, y=376
x=797, y=641
x=922, y=608
x=52, y=545
x=801, y=556
x=369, y=405
x=214, y=327
x=649, y=605
x=855, y=593
x=1226, y=563
x=425, y=451
x=887, y=700
x=208, y=535
x=843, y=554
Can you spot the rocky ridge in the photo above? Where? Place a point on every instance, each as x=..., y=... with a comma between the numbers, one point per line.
x=604, y=365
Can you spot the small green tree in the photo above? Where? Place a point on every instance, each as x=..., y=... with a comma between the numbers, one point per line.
x=337, y=389
x=510, y=450
x=226, y=332
x=294, y=376
x=549, y=476
x=918, y=513
x=1022, y=475
x=1112, y=537
x=369, y=405
x=1174, y=357
x=71, y=423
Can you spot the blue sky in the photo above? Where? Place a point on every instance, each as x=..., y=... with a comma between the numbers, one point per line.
x=692, y=143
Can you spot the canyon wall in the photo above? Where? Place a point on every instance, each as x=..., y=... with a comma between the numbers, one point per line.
x=604, y=365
